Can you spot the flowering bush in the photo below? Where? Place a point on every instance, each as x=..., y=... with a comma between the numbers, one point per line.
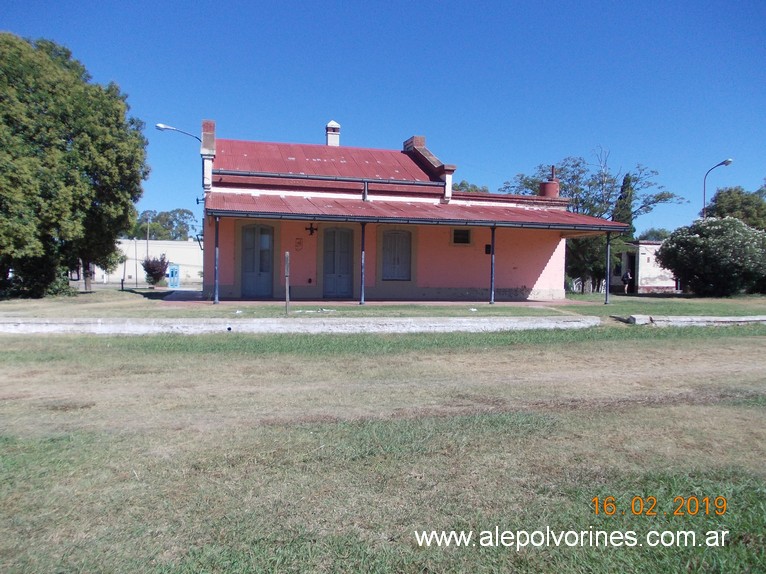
x=716, y=257
x=155, y=269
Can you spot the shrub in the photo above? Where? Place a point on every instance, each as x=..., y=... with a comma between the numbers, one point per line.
x=760, y=286
x=716, y=257
x=155, y=269
x=61, y=287
x=29, y=285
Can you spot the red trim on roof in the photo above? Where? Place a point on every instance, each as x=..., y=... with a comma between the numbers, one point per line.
x=539, y=200
x=264, y=182
x=318, y=208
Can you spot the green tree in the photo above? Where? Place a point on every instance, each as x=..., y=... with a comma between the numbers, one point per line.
x=466, y=187
x=623, y=207
x=71, y=166
x=593, y=189
x=164, y=225
x=716, y=257
x=736, y=202
x=654, y=234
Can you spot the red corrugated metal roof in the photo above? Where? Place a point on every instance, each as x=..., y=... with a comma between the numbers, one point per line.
x=318, y=208
x=318, y=160
x=310, y=184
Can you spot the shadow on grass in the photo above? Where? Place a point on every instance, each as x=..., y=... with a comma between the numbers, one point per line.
x=151, y=294
x=662, y=296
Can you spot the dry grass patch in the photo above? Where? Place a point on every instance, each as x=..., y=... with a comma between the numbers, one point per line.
x=111, y=303
x=237, y=458
x=124, y=391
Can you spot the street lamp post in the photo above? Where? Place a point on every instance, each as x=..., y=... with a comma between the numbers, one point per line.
x=148, y=221
x=704, y=185
x=163, y=128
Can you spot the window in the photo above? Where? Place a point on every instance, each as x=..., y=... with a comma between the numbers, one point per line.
x=397, y=255
x=461, y=236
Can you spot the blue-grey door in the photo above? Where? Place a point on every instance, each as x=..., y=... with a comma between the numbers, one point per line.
x=257, y=261
x=338, y=263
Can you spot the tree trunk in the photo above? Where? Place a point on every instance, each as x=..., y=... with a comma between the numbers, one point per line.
x=87, y=274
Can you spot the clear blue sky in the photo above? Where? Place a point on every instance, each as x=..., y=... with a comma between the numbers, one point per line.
x=497, y=88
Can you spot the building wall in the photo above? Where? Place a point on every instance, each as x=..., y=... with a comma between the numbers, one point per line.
x=529, y=264
x=650, y=276
x=228, y=253
x=550, y=282
x=303, y=248
x=186, y=254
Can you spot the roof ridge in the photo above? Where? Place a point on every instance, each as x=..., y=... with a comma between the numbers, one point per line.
x=317, y=145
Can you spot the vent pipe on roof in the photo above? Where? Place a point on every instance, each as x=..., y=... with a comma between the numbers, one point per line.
x=332, y=132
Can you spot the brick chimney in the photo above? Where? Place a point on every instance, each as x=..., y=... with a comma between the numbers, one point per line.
x=414, y=142
x=550, y=188
x=416, y=148
x=332, y=133
x=207, y=151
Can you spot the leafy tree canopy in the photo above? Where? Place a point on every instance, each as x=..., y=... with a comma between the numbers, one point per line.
x=716, y=257
x=177, y=224
x=595, y=189
x=71, y=166
x=654, y=234
x=736, y=202
x=464, y=186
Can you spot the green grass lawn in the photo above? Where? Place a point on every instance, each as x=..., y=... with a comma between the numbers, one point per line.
x=234, y=453
x=149, y=304
x=626, y=305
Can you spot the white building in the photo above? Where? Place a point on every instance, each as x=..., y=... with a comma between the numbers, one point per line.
x=187, y=255
x=648, y=275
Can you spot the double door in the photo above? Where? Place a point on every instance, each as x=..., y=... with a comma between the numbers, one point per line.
x=258, y=262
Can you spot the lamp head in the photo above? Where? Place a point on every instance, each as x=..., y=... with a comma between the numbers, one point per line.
x=726, y=162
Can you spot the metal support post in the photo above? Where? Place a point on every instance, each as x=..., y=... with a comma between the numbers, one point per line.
x=492, y=268
x=361, y=287
x=608, y=267
x=217, y=257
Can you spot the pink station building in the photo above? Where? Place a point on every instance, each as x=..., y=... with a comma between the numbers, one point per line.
x=370, y=224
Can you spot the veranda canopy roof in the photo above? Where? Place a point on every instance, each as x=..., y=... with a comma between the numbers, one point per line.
x=317, y=208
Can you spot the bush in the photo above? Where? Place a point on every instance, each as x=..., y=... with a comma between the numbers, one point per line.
x=35, y=278
x=716, y=257
x=60, y=287
x=155, y=269
x=760, y=286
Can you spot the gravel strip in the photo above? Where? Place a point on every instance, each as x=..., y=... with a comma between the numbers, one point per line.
x=292, y=325
x=693, y=321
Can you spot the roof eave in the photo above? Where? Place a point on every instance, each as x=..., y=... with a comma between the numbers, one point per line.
x=578, y=228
